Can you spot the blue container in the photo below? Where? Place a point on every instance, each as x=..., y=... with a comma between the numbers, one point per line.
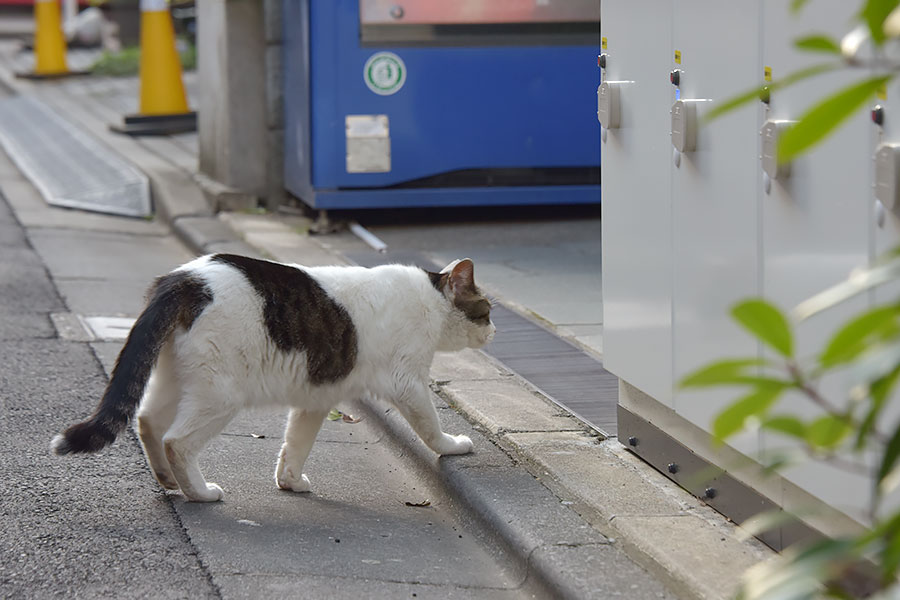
x=470, y=124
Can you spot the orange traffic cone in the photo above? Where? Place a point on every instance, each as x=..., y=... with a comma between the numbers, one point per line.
x=163, y=102
x=49, y=43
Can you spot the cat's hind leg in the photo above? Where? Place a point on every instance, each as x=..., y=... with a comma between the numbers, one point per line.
x=200, y=418
x=414, y=403
x=299, y=435
x=156, y=414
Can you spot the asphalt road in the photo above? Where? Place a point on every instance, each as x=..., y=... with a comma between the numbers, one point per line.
x=99, y=526
x=81, y=528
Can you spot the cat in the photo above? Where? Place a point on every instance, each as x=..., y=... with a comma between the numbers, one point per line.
x=226, y=332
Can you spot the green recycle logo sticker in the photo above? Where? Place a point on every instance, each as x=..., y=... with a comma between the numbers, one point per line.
x=385, y=73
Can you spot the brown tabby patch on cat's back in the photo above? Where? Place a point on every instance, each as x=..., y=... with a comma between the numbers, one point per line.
x=300, y=316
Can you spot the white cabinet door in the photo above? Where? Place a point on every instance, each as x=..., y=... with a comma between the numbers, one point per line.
x=816, y=221
x=636, y=212
x=715, y=209
x=885, y=218
x=885, y=228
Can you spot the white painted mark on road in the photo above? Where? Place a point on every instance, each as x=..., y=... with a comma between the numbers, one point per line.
x=248, y=522
x=76, y=328
x=110, y=328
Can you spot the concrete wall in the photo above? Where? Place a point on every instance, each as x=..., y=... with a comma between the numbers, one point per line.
x=239, y=111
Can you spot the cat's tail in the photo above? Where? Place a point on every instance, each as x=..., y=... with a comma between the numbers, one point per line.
x=174, y=299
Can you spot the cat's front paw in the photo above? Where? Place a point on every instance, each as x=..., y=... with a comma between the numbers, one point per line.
x=293, y=484
x=213, y=493
x=457, y=444
x=288, y=480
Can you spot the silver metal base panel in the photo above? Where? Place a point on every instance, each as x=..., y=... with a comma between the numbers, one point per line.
x=69, y=166
x=714, y=486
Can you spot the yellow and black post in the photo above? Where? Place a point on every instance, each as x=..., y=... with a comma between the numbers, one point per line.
x=49, y=44
x=163, y=102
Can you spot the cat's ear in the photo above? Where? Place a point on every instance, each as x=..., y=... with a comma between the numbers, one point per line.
x=462, y=277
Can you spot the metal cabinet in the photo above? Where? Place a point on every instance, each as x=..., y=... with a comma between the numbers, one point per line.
x=698, y=216
x=637, y=224
x=885, y=219
x=715, y=222
x=885, y=215
x=815, y=220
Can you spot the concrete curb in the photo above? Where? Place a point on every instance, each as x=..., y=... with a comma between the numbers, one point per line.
x=695, y=550
x=206, y=235
x=223, y=197
x=554, y=544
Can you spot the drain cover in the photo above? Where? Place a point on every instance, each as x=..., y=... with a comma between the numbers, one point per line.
x=109, y=328
x=77, y=328
x=70, y=167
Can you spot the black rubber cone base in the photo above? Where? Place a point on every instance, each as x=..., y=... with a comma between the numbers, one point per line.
x=157, y=124
x=50, y=76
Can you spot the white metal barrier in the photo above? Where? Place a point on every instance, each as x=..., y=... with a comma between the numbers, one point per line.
x=692, y=223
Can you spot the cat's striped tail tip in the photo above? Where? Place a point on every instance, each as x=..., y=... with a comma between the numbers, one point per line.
x=60, y=445
x=87, y=437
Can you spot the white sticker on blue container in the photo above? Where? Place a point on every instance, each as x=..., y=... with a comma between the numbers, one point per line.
x=385, y=73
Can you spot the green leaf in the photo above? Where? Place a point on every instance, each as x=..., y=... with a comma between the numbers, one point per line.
x=827, y=431
x=818, y=43
x=889, y=458
x=856, y=336
x=825, y=116
x=879, y=391
x=787, y=425
x=734, y=102
x=890, y=559
x=757, y=93
x=888, y=256
x=335, y=415
x=732, y=419
x=797, y=5
x=874, y=13
x=887, y=528
x=723, y=372
x=767, y=323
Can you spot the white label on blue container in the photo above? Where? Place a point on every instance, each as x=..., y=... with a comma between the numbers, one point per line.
x=385, y=73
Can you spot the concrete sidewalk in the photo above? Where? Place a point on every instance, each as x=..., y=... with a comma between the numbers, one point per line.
x=695, y=551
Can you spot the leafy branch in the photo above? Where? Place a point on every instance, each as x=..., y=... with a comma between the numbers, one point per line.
x=846, y=433
x=842, y=434
x=879, y=25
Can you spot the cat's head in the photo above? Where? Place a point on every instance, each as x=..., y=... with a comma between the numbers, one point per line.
x=469, y=323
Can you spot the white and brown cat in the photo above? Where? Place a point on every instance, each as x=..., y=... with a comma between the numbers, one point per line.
x=225, y=332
